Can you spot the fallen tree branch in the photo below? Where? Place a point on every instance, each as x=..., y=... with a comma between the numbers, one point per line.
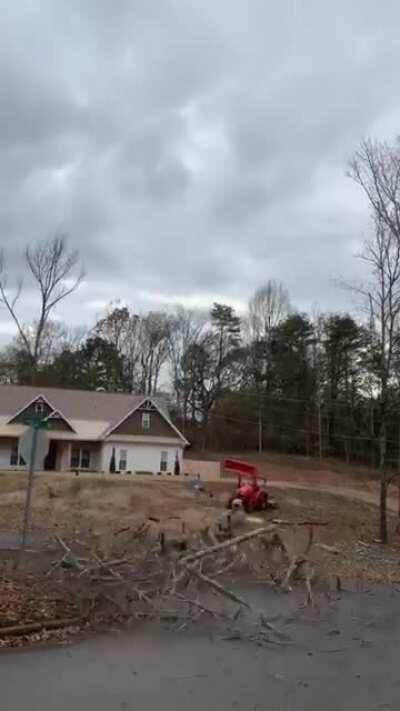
x=200, y=606
x=103, y=565
x=138, y=531
x=192, y=557
x=285, y=522
x=63, y=545
x=266, y=623
x=331, y=549
x=309, y=577
x=15, y=630
x=218, y=587
x=69, y=559
x=294, y=564
x=310, y=540
x=122, y=530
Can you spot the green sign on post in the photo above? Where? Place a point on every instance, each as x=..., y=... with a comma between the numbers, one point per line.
x=30, y=445
x=37, y=423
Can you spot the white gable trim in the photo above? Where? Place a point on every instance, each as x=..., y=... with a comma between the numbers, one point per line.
x=34, y=399
x=57, y=414
x=111, y=429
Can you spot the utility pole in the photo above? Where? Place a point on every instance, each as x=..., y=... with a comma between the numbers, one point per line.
x=260, y=431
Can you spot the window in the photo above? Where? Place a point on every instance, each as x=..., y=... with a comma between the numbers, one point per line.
x=85, y=458
x=123, y=460
x=80, y=458
x=146, y=421
x=39, y=407
x=75, y=457
x=15, y=457
x=164, y=462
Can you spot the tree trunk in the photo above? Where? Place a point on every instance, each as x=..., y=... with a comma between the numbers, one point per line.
x=260, y=431
x=204, y=433
x=382, y=509
x=398, y=448
x=372, y=434
x=319, y=423
x=347, y=449
x=382, y=448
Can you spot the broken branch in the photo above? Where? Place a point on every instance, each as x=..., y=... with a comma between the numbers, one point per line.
x=285, y=522
x=28, y=628
x=226, y=544
x=217, y=586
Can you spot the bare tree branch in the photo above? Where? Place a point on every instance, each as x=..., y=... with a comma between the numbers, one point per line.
x=375, y=167
x=51, y=266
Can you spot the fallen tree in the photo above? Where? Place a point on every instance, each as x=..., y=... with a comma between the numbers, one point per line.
x=143, y=581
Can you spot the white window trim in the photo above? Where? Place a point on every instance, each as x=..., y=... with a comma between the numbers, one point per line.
x=164, y=461
x=146, y=417
x=80, y=458
x=39, y=407
x=125, y=459
x=19, y=464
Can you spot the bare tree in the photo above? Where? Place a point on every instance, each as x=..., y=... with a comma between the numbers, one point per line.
x=267, y=307
x=153, y=344
x=57, y=336
x=52, y=267
x=186, y=329
x=121, y=327
x=375, y=167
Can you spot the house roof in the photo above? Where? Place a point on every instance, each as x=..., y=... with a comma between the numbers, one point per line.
x=91, y=414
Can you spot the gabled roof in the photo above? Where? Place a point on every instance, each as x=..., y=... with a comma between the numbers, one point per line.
x=91, y=414
x=37, y=398
x=146, y=399
x=57, y=415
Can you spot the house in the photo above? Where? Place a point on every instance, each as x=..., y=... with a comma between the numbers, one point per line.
x=92, y=431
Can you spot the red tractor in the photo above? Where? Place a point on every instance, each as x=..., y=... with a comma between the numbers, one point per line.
x=253, y=496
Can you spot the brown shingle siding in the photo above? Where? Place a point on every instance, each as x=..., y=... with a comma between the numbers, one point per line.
x=133, y=425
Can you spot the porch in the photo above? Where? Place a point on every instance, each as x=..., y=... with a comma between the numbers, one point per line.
x=73, y=456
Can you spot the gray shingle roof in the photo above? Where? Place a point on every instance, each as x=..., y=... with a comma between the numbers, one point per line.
x=73, y=404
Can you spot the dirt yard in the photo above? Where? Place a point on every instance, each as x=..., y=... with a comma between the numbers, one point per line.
x=99, y=516
x=95, y=507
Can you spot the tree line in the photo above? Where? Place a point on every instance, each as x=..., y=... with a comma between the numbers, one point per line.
x=320, y=384
x=272, y=378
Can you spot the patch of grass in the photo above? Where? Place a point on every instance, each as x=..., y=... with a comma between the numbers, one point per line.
x=97, y=482
x=51, y=492
x=75, y=487
x=12, y=481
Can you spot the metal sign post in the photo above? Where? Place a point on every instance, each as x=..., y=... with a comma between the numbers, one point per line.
x=36, y=424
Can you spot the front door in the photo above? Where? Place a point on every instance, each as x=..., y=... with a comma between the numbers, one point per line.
x=51, y=458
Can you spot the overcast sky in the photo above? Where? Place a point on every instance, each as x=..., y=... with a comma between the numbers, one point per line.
x=192, y=150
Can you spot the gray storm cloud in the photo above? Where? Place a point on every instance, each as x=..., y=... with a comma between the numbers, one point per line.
x=192, y=150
